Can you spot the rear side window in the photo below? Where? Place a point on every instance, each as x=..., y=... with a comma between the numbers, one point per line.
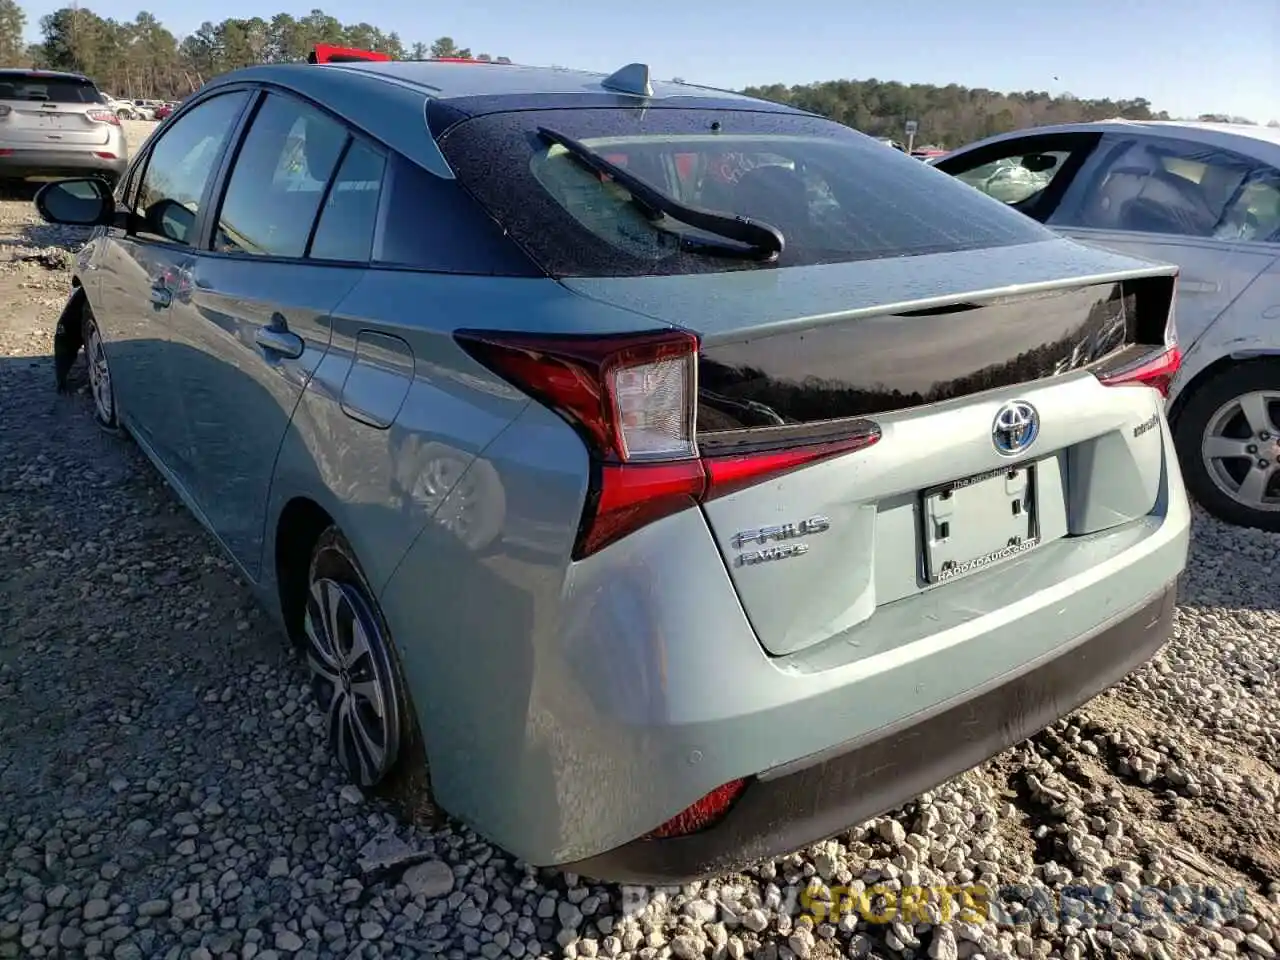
x=278, y=179
x=835, y=195
x=433, y=224
x=20, y=85
x=1171, y=186
x=350, y=213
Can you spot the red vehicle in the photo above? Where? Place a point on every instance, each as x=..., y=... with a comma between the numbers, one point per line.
x=327, y=53
x=164, y=110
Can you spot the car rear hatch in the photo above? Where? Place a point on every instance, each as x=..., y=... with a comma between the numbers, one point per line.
x=948, y=362
x=39, y=110
x=881, y=387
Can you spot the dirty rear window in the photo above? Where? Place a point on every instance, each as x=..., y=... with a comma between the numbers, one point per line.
x=835, y=195
x=15, y=85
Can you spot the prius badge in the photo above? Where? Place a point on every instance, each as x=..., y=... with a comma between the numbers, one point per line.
x=1015, y=427
x=771, y=544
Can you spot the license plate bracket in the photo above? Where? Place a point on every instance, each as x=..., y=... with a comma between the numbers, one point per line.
x=976, y=522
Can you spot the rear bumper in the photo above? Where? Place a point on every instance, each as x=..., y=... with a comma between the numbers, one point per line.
x=610, y=697
x=22, y=164
x=779, y=815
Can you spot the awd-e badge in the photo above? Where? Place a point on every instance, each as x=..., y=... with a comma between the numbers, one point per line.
x=770, y=543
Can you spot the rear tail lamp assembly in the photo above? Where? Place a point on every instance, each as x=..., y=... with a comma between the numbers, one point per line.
x=103, y=116
x=633, y=400
x=1152, y=302
x=1156, y=370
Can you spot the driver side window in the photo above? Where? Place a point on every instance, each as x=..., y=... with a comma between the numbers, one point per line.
x=173, y=182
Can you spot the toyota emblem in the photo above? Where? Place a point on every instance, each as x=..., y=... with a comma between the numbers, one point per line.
x=1015, y=427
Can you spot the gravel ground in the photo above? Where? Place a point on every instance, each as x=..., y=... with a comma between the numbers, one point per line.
x=164, y=791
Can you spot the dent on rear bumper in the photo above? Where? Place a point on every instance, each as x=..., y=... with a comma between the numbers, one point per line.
x=569, y=709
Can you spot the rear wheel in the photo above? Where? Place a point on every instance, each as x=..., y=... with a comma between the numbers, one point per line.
x=1228, y=440
x=355, y=673
x=100, y=385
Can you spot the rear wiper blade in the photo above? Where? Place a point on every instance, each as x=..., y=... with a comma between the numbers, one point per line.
x=764, y=239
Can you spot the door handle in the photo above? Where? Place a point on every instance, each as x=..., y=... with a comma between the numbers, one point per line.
x=161, y=295
x=280, y=340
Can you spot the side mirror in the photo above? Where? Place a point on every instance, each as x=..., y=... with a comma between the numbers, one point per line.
x=84, y=202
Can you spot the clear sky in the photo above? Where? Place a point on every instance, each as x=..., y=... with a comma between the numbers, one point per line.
x=1185, y=56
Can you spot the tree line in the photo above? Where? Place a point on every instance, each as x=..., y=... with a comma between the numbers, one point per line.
x=953, y=115
x=142, y=58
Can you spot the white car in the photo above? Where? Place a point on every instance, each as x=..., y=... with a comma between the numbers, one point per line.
x=1204, y=196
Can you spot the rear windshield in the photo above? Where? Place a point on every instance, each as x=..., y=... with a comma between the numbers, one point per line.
x=835, y=195
x=33, y=86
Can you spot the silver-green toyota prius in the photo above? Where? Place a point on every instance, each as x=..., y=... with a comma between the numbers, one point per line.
x=676, y=478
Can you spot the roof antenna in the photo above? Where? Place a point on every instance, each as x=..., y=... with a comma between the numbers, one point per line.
x=632, y=79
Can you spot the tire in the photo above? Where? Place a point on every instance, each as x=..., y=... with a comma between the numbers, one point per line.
x=356, y=676
x=1230, y=460
x=101, y=387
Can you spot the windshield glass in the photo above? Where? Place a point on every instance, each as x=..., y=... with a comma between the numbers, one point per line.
x=33, y=86
x=835, y=195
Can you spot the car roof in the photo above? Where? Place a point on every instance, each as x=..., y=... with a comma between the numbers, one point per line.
x=451, y=80
x=378, y=96
x=51, y=74
x=1258, y=142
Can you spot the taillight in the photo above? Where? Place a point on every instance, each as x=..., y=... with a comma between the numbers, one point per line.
x=633, y=400
x=103, y=116
x=1154, y=370
x=700, y=814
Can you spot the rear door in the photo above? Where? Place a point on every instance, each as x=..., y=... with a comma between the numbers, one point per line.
x=292, y=236
x=47, y=110
x=1208, y=210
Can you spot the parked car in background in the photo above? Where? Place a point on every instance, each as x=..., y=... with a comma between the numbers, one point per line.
x=1205, y=196
x=145, y=109
x=637, y=407
x=163, y=111
x=57, y=125
x=121, y=108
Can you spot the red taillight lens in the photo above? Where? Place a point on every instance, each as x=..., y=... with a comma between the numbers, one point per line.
x=1156, y=371
x=103, y=116
x=702, y=814
x=633, y=399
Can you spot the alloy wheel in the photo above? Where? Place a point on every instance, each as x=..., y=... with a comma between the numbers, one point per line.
x=99, y=376
x=1241, y=450
x=352, y=676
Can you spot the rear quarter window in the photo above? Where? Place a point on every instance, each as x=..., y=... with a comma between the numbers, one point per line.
x=836, y=195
